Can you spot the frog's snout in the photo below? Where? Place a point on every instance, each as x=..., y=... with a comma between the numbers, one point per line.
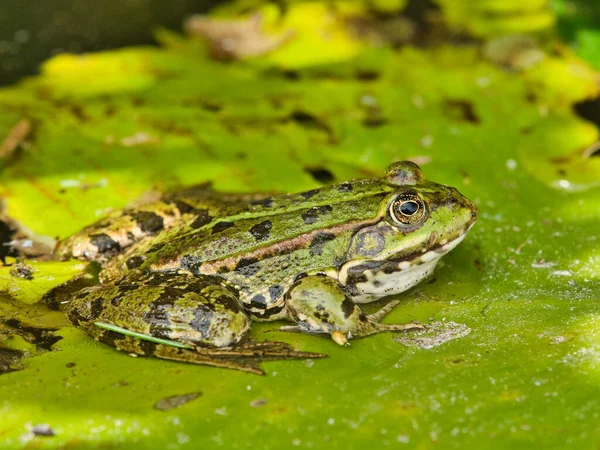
x=461, y=205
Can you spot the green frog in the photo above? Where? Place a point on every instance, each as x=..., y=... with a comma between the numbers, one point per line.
x=183, y=277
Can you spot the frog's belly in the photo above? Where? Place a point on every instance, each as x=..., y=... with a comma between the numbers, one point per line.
x=379, y=284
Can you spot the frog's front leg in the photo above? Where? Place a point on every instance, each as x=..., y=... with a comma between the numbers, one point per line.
x=177, y=316
x=319, y=304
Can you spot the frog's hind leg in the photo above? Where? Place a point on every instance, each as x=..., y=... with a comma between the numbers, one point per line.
x=318, y=304
x=174, y=315
x=245, y=357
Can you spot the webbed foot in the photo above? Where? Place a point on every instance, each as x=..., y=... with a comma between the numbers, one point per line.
x=246, y=357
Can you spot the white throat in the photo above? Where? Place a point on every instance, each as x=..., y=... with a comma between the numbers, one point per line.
x=379, y=284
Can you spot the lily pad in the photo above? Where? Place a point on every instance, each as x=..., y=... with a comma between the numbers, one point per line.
x=525, y=282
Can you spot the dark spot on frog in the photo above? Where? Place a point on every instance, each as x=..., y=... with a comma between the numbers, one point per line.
x=247, y=266
x=300, y=276
x=116, y=301
x=148, y=221
x=159, y=312
x=183, y=207
x=221, y=226
x=266, y=202
x=134, y=262
x=230, y=303
x=125, y=287
x=319, y=241
x=357, y=275
x=261, y=231
x=202, y=218
x=311, y=215
x=70, y=365
x=191, y=263
x=96, y=308
x=355, y=278
x=160, y=328
x=320, y=174
x=461, y=110
x=146, y=348
x=275, y=291
x=75, y=317
x=104, y=243
x=222, y=269
x=309, y=194
x=203, y=317
x=258, y=301
x=322, y=316
x=268, y=312
x=111, y=337
x=345, y=187
x=388, y=268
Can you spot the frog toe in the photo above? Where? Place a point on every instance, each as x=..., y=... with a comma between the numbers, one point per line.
x=290, y=329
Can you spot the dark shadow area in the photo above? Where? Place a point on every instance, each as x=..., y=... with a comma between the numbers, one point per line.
x=32, y=31
x=588, y=110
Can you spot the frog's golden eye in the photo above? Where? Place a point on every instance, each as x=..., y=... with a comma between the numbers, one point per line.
x=408, y=209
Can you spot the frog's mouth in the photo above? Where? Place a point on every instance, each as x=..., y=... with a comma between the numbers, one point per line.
x=432, y=250
x=370, y=280
x=431, y=253
x=376, y=278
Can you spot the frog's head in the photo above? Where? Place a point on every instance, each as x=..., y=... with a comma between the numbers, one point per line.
x=419, y=222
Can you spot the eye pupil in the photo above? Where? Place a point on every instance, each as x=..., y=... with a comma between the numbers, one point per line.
x=409, y=208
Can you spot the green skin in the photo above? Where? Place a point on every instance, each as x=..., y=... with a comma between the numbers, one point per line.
x=183, y=277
